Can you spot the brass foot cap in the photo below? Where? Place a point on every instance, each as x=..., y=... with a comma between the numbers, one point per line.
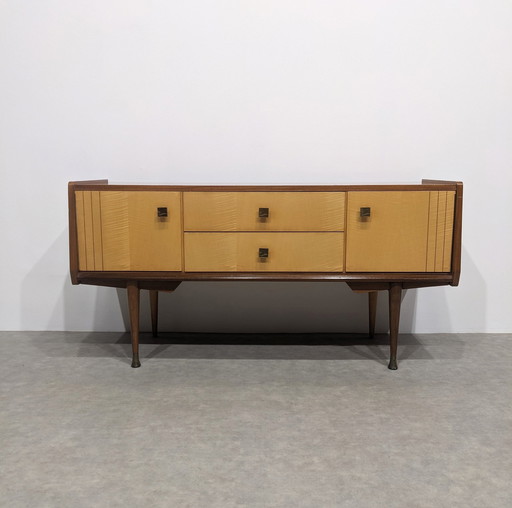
x=392, y=364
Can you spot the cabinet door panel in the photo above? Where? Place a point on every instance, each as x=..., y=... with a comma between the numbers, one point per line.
x=134, y=236
x=394, y=237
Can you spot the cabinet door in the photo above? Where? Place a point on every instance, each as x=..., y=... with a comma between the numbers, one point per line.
x=136, y=235
x=387, y=231
x=123, y=230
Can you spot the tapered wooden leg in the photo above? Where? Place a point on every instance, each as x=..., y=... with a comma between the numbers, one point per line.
x=133, y=304
x=395, y=299
x=153, y=301
x=372, y=311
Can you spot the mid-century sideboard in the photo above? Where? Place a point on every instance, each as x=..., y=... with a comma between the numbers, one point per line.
x=373, y=237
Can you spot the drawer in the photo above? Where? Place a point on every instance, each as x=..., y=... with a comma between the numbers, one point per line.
x=287, y=252
x=241, y=211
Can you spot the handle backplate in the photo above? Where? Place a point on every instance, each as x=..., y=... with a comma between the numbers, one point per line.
x=263, y=252
x=161, y=211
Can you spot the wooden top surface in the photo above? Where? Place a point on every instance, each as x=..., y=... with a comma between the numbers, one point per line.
x=103, y=185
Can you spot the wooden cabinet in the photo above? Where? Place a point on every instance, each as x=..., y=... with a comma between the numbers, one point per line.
x=373, y=237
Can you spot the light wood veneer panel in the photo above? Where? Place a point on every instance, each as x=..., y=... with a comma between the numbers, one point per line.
x=394, y=237
x=288, y=211
x=88, y=217
x=80, y=230
x=447, y=226
x=134, y=237
x=441, y=214
x=440, y=231
x=96, y=226
x=288, y=252
x=432, y=231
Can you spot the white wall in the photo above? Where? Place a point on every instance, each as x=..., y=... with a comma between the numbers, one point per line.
x=261, y=91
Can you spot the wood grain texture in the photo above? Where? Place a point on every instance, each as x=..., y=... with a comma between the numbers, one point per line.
x=133, y=292
x=447, y=226
x=288, y=211
x=288, y=252
x=441, y=214
x=440, y=231
x=96, y=227
x=89, y=230
x=395, y=300
x=265, y=188
x=134, y=237
x=432, y=231
x=394, y=237
x=80, y=227
x=84, y=274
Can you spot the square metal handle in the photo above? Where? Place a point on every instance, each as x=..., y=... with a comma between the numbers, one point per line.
x=263, y=213
x=365, y=211
x=263, y=253
x=161, y=211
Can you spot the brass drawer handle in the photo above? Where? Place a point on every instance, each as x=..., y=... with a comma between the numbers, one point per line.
x=263, y=213
x=365, y=211
x=263, y=253
x=161, y=211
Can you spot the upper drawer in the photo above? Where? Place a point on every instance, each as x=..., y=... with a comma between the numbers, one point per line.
x=245, y=211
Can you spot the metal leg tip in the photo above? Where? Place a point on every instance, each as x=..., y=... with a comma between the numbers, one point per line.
x=135, y=362
x=392, y=364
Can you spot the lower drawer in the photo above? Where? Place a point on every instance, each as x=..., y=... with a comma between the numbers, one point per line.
x=245, y=252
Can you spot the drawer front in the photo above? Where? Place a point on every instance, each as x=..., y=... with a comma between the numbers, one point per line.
x=286, y=252
x=245, y=211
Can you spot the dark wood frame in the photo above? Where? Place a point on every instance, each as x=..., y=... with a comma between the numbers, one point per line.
x=393, y=283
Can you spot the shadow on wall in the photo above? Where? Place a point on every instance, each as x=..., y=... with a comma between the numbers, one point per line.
x=468, y=302
x=50, y=302
x=261, y=307
x=225, y=307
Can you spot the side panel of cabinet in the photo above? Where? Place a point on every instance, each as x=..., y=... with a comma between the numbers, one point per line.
x=120, y=231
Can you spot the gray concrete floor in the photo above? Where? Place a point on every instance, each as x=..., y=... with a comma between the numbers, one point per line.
x=255, y=420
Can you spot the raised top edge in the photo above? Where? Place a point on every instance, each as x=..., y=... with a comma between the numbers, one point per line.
x=100, y=185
